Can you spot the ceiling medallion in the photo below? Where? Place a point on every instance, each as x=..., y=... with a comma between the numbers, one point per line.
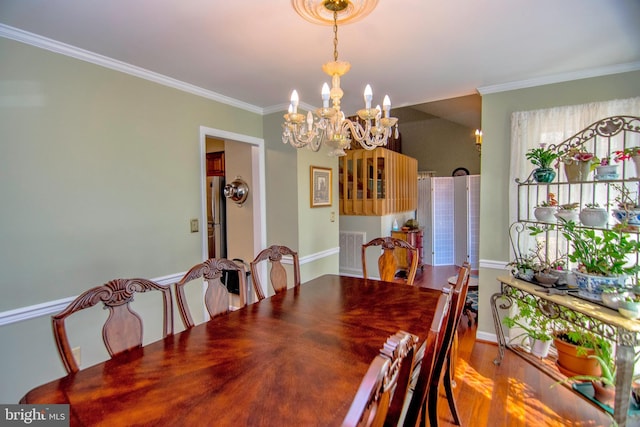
x=321, y=11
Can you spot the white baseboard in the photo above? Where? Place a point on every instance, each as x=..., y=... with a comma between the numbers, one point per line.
x=486, y=336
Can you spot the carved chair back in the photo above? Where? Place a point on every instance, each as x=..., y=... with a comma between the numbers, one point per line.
x=387, y=262
x=216, y=295
x=123, y=328
x=277, y=273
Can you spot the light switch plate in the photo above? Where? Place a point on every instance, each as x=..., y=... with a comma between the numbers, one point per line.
x=194, y=225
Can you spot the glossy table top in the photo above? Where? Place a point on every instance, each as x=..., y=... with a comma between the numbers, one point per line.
x=293, y=359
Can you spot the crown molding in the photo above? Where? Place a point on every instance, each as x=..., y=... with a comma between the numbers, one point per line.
x=560, y=78
x=104, y=61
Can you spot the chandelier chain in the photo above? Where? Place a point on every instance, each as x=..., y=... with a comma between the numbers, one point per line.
x=335, y=35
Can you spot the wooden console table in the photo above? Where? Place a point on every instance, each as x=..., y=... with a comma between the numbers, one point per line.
x=600, y=320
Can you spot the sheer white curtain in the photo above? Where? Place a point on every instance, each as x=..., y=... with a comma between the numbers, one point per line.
x=552, y=126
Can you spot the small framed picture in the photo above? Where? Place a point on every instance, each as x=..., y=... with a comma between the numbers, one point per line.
x=320, y=186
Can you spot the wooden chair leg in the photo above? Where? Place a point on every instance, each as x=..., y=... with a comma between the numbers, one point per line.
x=432, y=407
x=448, y=388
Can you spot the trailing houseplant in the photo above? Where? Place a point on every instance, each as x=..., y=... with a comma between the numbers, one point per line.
x=536, y=326
x=542, y=158
x=632, y=153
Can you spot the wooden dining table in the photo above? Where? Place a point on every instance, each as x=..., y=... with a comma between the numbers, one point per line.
x=296, y=358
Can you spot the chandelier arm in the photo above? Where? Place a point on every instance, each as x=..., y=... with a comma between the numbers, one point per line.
x=368, y=137
x=298, y=135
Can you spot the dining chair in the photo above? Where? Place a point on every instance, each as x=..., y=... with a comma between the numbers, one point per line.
x=424, y=362
x=277, y=274
x=123, y=328
x=387, y=262
x=216, y=296
x=384, y=386
x=443, y=361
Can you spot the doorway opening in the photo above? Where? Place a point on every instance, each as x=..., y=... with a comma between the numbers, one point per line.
x=242, y=156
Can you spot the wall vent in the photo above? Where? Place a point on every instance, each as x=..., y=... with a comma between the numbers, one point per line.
x=351, y=251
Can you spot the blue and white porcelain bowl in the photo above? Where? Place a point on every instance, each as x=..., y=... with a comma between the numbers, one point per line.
x=632, y=216
x=590, y=286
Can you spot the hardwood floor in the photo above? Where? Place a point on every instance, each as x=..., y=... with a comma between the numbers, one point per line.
x=516, y=393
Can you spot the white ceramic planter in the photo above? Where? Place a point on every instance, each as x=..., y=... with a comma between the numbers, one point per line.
x=594, y=217
x=612, y=300
x=630, y=310
x=606, y=173
x=540, y=348
x=567, y=215
x=545, y=213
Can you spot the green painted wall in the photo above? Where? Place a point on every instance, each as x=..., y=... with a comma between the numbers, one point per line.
x=99, y=177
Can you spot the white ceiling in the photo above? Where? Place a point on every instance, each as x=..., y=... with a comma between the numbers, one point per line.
x=417, y=51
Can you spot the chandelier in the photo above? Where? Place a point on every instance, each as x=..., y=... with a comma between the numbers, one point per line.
x=330, y=126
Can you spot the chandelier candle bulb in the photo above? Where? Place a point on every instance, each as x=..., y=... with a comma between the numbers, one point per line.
x=310, y=120
x=294, y=101
x=325, y=95
x=368, y=96
x=386, y=104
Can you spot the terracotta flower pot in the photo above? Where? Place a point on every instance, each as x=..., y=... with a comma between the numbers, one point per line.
x=571, y=363
x=605, y=394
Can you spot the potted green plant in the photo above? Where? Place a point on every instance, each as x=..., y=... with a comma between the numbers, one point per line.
x=546, y=210
x=628, y=211
x=606, y=171
x=632, y=153
x=593, y=215
x=604, y=383
x=535, y=325
x=522, y=267
x=542, y=158
x=545, y=269
x=568, y=212
x=574, y=346
x=611, y=296
x=629, y=306
x=601, y=256
x=577, y=164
